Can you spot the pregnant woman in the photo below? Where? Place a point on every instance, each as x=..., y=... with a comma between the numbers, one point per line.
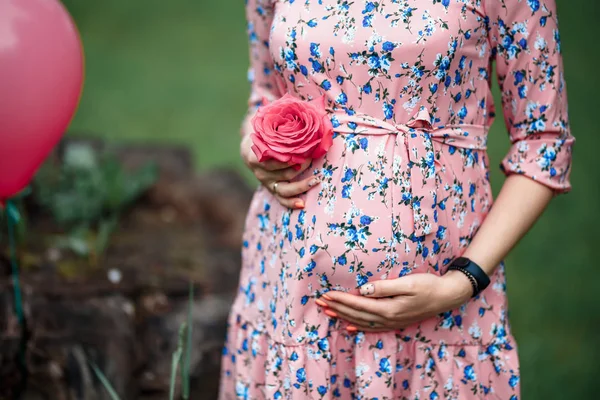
x=375, y=271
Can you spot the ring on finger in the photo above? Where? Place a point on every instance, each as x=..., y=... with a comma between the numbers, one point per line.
x=275, y=184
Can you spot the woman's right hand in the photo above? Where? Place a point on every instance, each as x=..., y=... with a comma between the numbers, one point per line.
x=276, y=176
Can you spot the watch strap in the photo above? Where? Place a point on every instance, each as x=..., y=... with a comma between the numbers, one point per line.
x=477, y=276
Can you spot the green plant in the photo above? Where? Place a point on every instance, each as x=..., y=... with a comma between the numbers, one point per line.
x=181, y=360
x=86, y=195
x=176, y=359
x=104, y=380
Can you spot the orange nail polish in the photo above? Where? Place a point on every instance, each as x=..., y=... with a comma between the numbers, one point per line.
x=299, y=204
x=351, y=328
x=331, y=314
x=327, y=297
x=321, y=303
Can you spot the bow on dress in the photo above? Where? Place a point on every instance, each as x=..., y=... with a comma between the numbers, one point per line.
x=418, y=135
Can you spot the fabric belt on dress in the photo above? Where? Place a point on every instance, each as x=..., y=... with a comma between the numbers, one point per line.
x=418, y=135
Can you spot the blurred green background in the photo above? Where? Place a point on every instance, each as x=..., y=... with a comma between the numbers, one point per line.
x=176, y=72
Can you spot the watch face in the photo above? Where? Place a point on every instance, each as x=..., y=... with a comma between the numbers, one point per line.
x=462, y=262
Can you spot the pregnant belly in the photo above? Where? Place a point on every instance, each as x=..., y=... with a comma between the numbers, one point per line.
x=354, y=229
x=359, y=224
x=345, y=237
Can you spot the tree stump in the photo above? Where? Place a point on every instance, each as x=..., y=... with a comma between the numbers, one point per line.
x=123, y=315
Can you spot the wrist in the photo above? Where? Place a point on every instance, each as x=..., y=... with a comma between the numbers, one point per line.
x=476, y=275
x=481, y=260
x=457, y=288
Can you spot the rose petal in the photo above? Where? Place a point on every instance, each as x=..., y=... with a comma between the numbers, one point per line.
x=292, y=130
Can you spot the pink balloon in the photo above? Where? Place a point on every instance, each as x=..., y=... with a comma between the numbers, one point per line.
x=41, y=76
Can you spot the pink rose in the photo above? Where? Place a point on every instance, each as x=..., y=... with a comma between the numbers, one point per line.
x=291, y=130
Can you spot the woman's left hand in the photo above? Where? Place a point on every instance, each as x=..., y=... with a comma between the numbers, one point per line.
x=397, y=303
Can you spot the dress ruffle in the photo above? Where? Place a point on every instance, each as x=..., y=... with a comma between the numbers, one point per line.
x=362, y=366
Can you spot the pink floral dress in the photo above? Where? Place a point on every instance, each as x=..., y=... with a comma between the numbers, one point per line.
x=404, y=189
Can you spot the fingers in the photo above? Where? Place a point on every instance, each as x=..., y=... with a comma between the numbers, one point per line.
x=272, y=165
x=360, y=318
x=250, y=159
x=271, y=171
x=266, y=177
x=290, y=202
x=388, y=287
x=278, y=166
x=305, y=165
x=287, y=193
x=291, y=189
x=362, y=321
x=369, y=328
x=379, y=307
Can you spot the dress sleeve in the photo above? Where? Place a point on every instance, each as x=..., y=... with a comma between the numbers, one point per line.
x=526, y=46
x=259, y=16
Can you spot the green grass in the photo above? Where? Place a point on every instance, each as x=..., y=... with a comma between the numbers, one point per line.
x=176, y=72
x=164, y=72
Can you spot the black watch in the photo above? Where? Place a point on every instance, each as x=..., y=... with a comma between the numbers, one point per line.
x=477, y=276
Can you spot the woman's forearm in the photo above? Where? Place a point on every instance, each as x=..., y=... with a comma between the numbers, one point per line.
x=520, y=203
